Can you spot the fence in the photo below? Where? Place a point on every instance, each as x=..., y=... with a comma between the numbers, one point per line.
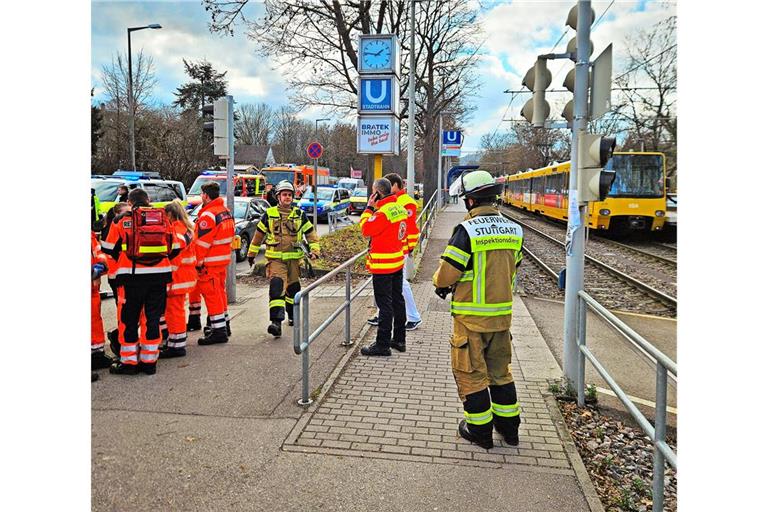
x=664, y=365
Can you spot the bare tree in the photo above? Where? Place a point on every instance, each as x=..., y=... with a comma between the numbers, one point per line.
x=255, y=124
x=318, y=40
x=650, y=90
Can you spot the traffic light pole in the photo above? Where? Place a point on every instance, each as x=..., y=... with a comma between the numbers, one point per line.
x=231, y=290
x=577, y=213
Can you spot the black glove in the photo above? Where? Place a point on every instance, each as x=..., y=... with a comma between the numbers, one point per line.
x=251, y=260
x=443, y=292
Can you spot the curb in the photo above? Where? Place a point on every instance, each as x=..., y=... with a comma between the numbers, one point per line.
x=582, y=475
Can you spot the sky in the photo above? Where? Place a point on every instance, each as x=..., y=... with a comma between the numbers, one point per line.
x=514, y=34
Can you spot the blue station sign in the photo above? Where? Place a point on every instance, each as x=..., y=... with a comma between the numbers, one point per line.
x=451, y=143
x=378, y=94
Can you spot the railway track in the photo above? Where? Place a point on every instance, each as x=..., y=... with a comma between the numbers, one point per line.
x=613, y=287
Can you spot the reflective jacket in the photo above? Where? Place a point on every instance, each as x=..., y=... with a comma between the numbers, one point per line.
x=481, y=259
x=127, y=270
x=183, y=265
x=412, y=230
x=97, y=256
x=214, y=231
x=283, y=230
x=386, y=228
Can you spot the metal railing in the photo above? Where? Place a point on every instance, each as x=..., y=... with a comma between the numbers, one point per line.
x=664, y=365
x=301, y=335
x=426, y=220
x=338, y=220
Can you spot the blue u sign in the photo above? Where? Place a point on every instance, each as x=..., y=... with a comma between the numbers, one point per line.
x=452, y=138
x=376, y=94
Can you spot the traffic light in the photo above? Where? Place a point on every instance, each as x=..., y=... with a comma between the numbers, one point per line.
x=570, y=78
x=594, y=181
x=537, y=79
x=218, y=125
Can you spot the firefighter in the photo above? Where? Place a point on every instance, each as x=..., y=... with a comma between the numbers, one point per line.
x=99, y=359
x=478, y=266
x=412, y=316
x=283, y=229
x=384, y=221
x=214, y=231
x=184, y=281
x=141, y=241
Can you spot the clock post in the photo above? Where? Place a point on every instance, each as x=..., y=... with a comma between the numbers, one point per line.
x=378, y=93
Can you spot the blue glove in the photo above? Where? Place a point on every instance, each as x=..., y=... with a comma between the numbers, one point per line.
x=98, y=270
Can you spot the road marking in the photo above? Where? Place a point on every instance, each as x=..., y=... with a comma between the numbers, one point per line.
x=641, y=401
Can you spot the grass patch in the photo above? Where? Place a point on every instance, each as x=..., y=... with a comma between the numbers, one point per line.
x=340, y=245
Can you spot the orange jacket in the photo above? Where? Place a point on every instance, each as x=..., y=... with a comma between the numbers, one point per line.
x=214, y=231
x=412, y=230
x=387, y=230
x=128, y=270
x=183, y=265
x=96, y=255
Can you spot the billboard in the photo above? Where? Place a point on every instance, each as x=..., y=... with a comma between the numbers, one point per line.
x=378, y=135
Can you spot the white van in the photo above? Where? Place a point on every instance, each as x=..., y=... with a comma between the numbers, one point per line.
x=351, y=183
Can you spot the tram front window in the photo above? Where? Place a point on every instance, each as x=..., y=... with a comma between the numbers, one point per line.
x=636, y=176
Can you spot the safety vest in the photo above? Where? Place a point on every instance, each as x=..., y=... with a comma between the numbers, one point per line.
x=487, y=233
x=284, y=238
x=387, y=231
x=412, y=230
x=215, y=229
x=183, y=265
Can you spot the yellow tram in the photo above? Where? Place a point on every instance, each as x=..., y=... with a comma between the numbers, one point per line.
x=636, y=201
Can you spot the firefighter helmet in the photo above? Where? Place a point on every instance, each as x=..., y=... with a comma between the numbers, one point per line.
x=284, y=185
x=477, y=184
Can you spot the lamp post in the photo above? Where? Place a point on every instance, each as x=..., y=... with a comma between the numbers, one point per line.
x=130, y=91
x=314, y=174
x=411, y=170
x=440, y=158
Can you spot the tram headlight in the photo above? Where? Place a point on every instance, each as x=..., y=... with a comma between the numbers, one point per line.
x=605, y=212
x=660, y=213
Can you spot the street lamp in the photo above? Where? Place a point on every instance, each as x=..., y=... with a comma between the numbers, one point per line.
x=440, y=157
x=130, y=90
x=314, y=174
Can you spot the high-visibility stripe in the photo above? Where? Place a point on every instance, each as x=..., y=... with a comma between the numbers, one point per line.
x=177, y=344
x=153, y=248
x=208, y=214
x=188, y=261
x=150, y=348
x=203, y=244
x=223, y=241
x=226, y=257
x=124, y=247
x=174, y=267
x=176, y=245
x=277, y=303
x=277, y=255
x=479, y=418
x=456, y=255
x=506, y=411
x=289, y=300
x=107, y=245
x=467, y=276
x=144, y=270
x=186, y=284
x=385, y=255
x=480, y=310
x=385, y=266
x=478, y=288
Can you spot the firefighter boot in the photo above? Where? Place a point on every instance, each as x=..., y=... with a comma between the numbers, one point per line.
x=148, y=368
x=94, y=376
x=481, y=435
x=169, y=352
x=275, y=329
x=376, y=349
x=399, y=346
x=124, y=369
x=193, y=324
x=218, y=335
x=100, y=360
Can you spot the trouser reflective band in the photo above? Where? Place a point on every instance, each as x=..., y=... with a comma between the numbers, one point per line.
x=128, y=353
x=149, y=351
x=289, y=301
x=177, y=340
x=218, y=321
x=506, y=411
x=479, y=418
x=277, y=303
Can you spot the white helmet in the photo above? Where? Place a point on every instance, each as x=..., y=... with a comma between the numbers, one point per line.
x=285, y=185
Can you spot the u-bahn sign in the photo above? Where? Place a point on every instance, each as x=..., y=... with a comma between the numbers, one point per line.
x=378, y=135
x=451, y=143
x=378, y=94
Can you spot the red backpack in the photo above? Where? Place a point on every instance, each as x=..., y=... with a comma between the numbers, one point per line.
x=150, y=239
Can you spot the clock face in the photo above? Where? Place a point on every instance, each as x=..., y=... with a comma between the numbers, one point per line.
x=377, y=54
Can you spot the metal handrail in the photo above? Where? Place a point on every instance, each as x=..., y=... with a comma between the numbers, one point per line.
x=664, y=366
x=425, y=225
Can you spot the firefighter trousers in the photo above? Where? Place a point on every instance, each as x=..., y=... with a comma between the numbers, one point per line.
x=480, y=363
x=284, y=283
x=149, y=298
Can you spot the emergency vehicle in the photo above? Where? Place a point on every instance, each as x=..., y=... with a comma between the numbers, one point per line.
x=247, y=182
x=299, y=175
x=160, y=191
x=329, y=199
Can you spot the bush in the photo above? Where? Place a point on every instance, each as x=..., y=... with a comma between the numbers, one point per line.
x=339, y=246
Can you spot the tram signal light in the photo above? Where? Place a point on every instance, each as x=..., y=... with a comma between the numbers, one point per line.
x=573, y=17
x=537, y=79
x=595, y=181
x=218, y=125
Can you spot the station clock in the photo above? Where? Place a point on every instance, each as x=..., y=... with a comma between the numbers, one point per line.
x=378, y=53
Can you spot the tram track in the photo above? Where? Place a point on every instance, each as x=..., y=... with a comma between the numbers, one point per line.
x=612, y=287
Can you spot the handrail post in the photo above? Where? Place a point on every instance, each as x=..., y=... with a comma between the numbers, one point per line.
x=581, y=340
x=660, y=431
x=348, y=316
x=305, y=400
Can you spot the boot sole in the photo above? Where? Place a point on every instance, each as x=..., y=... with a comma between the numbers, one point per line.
x=486, y=446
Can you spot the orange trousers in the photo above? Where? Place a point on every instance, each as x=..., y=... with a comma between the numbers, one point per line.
x=212, y=284
x=97, y=326
x=176, y=319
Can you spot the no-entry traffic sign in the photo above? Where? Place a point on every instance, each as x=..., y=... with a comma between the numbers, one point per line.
x=315, y=150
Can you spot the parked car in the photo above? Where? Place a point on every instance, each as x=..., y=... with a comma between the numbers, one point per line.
x=248, y=212
x=160, y=191
x=358, y=201
x=328, y=200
